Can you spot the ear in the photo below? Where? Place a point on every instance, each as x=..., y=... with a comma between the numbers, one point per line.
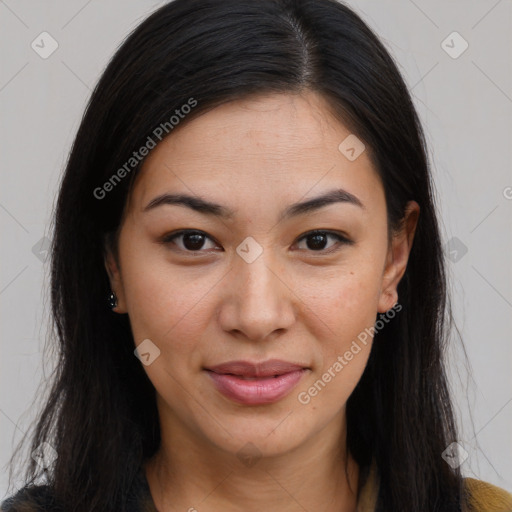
x=114, y=274
x=397, y=257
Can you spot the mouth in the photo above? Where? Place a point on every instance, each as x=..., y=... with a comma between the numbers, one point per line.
x=256, y=383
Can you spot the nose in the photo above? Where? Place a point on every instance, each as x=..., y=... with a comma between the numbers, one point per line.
x=257, y=302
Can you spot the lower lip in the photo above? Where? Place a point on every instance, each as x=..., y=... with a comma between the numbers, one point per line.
x=266, y=390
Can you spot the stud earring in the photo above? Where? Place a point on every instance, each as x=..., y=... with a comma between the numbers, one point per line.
x=112, y=300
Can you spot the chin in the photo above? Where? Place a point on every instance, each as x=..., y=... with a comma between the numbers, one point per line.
x=257, y=436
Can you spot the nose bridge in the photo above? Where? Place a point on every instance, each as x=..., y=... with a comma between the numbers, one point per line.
x=257, y=279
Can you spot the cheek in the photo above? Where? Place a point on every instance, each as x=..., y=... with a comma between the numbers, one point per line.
x=167, y=309
x=345, y=311
x=171, y=311
x=164, y=304
x=348, y=298
x=341, y=318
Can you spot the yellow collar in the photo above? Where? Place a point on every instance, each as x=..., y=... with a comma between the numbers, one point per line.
x=367, y=499
x=480, y=496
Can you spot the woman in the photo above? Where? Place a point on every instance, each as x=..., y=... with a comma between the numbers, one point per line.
x=249, y=188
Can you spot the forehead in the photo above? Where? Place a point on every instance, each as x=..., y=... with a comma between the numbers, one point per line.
x=267, y=146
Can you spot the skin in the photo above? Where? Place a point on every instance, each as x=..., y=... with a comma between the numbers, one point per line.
x=295, y=302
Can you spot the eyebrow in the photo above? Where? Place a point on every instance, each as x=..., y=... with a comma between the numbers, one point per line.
x=210, y=208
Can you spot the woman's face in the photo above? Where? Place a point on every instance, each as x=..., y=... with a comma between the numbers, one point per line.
x=253, y=285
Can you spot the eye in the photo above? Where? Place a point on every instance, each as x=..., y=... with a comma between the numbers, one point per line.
x=192, y=240
x=318, y=239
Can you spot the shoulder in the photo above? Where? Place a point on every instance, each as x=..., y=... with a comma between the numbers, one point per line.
x=36, y=498
x=485, y=497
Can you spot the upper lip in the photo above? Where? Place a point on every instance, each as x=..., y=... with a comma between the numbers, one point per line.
x=267, y=368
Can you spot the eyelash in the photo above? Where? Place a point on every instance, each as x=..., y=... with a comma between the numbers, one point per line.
x=343, y=240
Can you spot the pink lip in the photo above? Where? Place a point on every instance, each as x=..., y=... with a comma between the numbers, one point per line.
x=229, y=379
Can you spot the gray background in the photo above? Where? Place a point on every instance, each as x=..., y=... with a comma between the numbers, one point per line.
x=465, y=104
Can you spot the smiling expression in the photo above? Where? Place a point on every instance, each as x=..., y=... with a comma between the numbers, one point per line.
x=219, y=262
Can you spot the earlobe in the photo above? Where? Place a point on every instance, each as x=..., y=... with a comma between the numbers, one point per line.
x=397, y=257
x=387, y=300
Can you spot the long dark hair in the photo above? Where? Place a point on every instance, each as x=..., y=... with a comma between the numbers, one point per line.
x=101, y=415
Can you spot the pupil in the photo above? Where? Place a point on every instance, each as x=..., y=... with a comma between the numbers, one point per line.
x=319, y=241
x=193, y=241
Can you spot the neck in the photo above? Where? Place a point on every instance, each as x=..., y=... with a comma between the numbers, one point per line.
x=194, y=475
